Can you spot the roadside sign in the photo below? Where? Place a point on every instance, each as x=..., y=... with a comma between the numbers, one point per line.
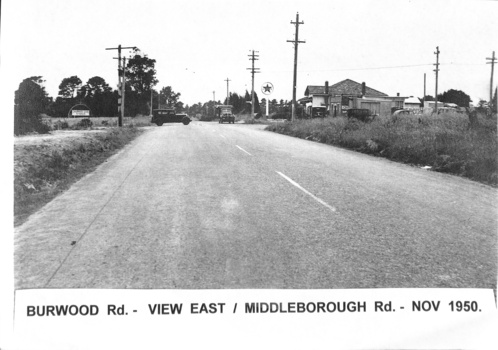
x=267, y=88
x=80, y=113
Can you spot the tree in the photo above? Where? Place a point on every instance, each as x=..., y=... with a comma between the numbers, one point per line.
x=455, y=96
x=31, y=100
x=427, y=98
x=69, y=86
x=98, y=95
x=257, y=107
x=140, y=72
x=494, y=103
x=140, y=79
x=168, y=97
x=95, y=86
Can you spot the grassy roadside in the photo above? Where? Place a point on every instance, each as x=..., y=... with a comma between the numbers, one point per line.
x=445, y=143
x=44, y=169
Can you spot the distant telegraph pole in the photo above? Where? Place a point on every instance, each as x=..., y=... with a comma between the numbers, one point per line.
x=423, y=99
x=436, y=70
x=296, y=43
x=214, y=103
x=121, y=85
x=493, y=60
x=253, y=57
x=228, y=97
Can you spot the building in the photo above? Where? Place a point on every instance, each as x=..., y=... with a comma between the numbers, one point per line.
x=336, y=99
x=413, y=103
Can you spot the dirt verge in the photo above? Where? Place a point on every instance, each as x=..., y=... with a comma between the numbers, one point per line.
x=47, y=165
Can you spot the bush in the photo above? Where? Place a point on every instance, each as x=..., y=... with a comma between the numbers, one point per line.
x=42, y=128
x=206, y=118
x=61, y=124
x=447, y=143
x=281, y=115
x=84, y=124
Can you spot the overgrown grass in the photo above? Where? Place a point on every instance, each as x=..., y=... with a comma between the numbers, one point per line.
x=247, y=119
x=446, y=143
x=43, y=170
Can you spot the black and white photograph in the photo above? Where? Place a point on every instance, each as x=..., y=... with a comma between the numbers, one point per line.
x=235, y=156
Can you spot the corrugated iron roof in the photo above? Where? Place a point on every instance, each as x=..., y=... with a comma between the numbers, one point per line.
x=412, y=100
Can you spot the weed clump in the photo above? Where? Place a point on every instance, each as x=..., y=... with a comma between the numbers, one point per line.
x=447, y=143
x=43, y=170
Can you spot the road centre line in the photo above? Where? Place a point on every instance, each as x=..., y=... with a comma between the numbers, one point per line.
x=307, y=192
x=243, y=150
x=223, y=136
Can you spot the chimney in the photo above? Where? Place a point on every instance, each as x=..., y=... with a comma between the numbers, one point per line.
x=363, y=89
x=327, y=87
x=397, y=94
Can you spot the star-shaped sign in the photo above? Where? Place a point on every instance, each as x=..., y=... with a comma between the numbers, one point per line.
x=267, y=88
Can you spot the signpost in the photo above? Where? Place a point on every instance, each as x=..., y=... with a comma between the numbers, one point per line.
x=80, y=113
x=267, y=88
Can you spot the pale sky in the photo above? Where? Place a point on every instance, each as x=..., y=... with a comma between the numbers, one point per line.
x=199, y=44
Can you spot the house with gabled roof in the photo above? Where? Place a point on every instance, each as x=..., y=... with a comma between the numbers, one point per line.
x=337, y=98
x=346, y=87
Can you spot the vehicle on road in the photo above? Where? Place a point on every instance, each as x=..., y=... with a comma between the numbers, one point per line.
x=224, y=113
x=168, y=115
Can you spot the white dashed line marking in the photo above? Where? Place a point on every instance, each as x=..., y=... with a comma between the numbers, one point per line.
x=223, y=136
x=243, y=150
x=307, y=192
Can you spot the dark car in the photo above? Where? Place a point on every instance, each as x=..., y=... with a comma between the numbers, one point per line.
x=168, y=115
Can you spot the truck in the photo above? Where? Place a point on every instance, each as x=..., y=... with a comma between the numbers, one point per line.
x=224, y=113
x=168, y=115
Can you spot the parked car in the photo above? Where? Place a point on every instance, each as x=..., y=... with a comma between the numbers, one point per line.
x=442, y=110
x=400, y=112
x=361, y=114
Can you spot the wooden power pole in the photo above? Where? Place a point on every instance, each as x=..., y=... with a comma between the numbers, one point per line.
x=121, y=83
x=228, y=97
x=436, y=70
x=253, y=57
x=296, y=43
x=493, y=60
x=423, y=99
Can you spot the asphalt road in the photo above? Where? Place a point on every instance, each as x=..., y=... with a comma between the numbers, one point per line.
x=233, y=206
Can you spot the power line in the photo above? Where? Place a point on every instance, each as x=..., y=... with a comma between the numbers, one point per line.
x=385, y=67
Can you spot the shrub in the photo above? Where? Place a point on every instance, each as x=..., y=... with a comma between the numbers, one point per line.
x=445, y=142
x=41, y=128
x=59, y=125
x=84, y=123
